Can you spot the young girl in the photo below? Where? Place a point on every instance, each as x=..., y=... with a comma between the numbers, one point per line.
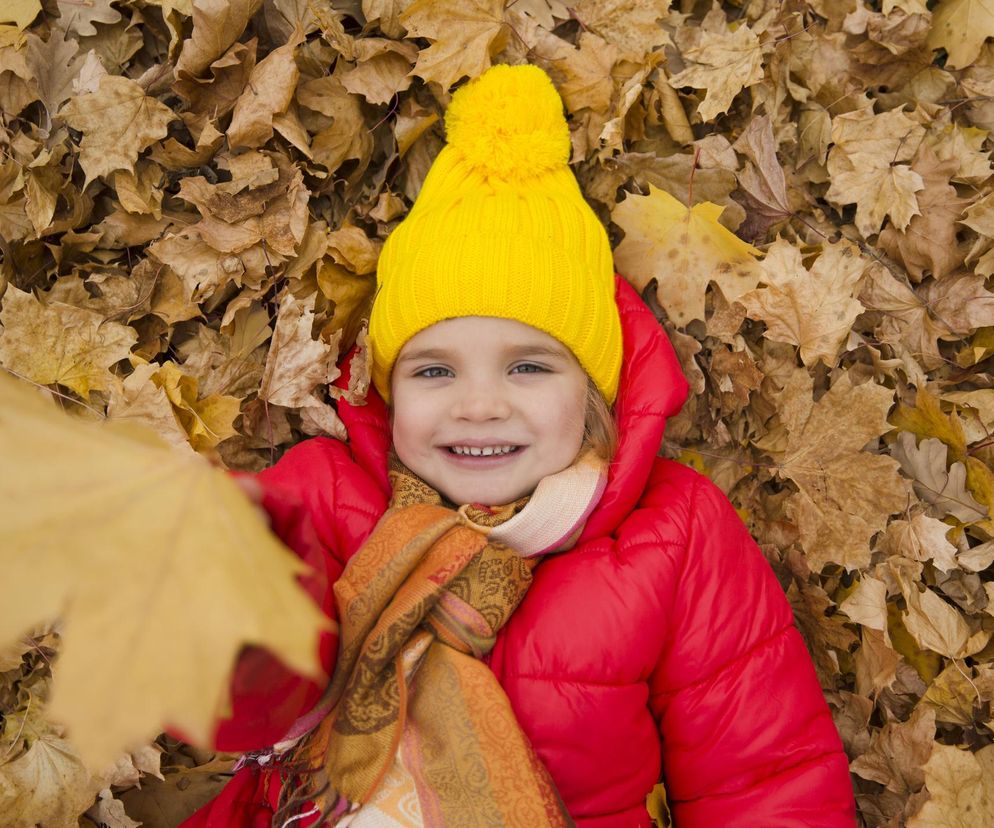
x=540, y=618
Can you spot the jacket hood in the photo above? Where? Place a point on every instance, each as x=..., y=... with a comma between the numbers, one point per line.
x=652, y=388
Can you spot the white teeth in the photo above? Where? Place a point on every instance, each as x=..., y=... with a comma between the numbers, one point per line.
x=486, y=451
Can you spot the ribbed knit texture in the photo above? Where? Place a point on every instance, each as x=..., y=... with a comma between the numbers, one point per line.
x=501, y=229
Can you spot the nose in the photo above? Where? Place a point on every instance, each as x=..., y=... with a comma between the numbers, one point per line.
x=481, y=401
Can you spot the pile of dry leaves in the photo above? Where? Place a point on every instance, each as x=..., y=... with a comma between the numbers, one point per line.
x=193, y=194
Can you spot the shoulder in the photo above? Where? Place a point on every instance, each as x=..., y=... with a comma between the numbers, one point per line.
x=678, y=507
x=319, y=479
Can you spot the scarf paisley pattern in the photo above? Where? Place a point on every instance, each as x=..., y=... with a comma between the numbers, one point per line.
x=416, y=729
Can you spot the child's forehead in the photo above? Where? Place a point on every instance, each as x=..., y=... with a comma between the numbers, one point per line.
x=472, y=333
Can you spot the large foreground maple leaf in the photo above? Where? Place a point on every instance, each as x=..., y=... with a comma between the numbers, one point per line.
x=157, y=565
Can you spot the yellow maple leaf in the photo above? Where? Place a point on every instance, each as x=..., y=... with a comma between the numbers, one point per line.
x=961, y=27
x=465, y=35
x=157, y=565
x=20, y=12
x=206, y=421
x=58, y=343
x=683, y=250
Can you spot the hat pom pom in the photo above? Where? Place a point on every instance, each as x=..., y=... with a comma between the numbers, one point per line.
x=508, y=123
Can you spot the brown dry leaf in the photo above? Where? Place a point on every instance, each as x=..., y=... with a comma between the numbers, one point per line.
x=684, y=250
x=845, y=495
x=929, y=244
x=814, y=310
x=464, y=35
x=877, y=663
x=268, y=93
x=204, y=548
x=57, y=343
x=216, y=25
x=631, y=25
x=867, y=604
x=586, y=74
x=922, y=539
x=109, y=812
x=960, y=789
x=167, y=803
x=898, y=752
x=137, y=397
x=762, y=182
x=118, y=120
x=382, y=69
x=907, y=322
x=297, y=364
x=721, y=59
x=865, y=167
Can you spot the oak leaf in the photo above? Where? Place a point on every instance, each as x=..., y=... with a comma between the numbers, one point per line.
x=814, y=310
x=69, y=520
x=79, y=17
x=118, y=121
x=57, y=343
x=464, y=35
x=684, y=250
x=845, y=495
x=865, y=167
x=944, y=489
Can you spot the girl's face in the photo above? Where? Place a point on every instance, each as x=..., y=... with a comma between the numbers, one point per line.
x=484, y=408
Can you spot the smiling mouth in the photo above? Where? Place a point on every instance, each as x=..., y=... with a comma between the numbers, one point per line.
x=483, y=451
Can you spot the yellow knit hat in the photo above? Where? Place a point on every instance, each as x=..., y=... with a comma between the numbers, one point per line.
x=501, y=229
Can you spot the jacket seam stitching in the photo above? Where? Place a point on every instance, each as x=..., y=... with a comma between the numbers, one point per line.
x=765, y=642
x=807, y=760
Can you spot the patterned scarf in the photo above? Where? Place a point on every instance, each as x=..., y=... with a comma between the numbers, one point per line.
x=416, y=730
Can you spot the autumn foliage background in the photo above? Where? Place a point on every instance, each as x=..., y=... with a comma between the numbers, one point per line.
x=193, y=194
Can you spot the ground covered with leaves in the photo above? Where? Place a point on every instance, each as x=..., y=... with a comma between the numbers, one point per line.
x=193, y=194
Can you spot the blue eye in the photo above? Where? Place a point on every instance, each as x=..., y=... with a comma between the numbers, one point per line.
x=434, y=372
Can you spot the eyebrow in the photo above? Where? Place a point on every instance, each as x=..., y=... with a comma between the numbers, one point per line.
x=514, y=352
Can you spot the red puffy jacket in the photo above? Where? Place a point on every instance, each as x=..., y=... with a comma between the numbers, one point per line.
x=661, y=643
